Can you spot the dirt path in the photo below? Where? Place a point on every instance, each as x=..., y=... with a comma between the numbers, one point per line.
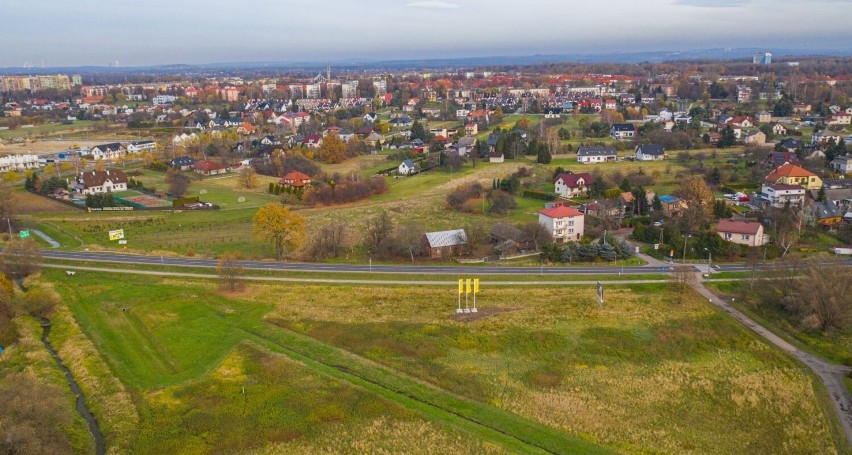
x=829, y=373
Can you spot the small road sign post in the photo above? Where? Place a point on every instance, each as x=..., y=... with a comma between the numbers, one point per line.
x=600, y=293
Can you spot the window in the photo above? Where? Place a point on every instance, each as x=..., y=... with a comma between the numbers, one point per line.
x=570, y=223
x=745, y=236
x=727, y=236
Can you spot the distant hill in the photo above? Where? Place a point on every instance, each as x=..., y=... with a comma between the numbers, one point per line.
x=436, y=63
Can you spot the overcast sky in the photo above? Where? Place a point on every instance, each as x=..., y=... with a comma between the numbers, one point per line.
x=134, y=32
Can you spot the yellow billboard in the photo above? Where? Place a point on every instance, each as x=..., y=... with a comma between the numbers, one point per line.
x=117, y=234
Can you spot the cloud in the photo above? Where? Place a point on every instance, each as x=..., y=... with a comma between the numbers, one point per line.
x=433, y=4
x=711, y=3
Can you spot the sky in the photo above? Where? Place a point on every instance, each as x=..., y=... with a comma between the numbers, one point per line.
x=134, y=32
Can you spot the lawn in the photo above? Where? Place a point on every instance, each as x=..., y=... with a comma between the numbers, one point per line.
x=207, y=376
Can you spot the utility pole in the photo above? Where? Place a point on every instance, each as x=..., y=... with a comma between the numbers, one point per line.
x=686, y=239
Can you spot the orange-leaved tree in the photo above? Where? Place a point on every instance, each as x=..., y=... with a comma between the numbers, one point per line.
x=279, y=226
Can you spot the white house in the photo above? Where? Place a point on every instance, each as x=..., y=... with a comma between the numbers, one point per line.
x=779, y=194
x=571, y=185
x=496, y=157
x=842, y=164
x=748, y=233
x=94, y=182
x=18, y=162
x=563, y=223
x=650, y=152
x=822, y=137
x=596, y=154
x=407, y=167
x=140, y=146
x=622, y=131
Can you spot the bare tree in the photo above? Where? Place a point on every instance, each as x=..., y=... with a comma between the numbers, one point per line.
x=20, y=258
x=178, y=182
x=536, y=234
x=379, y=228
x=682, y=278
x=230, y=270
x=827, y=294
x=327, y=241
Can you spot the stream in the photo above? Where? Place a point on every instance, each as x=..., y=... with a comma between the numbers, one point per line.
x=84, y=411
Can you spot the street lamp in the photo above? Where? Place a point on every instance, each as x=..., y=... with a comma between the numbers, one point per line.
x=684, y=247
x=709, y=259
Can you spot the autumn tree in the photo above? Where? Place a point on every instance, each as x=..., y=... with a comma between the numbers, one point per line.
x=178, y=182
x=535, y=233
x=38, y=302
x=378, y=230
x=7, y=204
x=699, y=199
x=20, y=258
x=333, y=149
x=247, y=178
x=279, y=226
x=230, y=269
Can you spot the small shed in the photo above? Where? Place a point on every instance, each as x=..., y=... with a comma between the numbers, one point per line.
x=443, y=244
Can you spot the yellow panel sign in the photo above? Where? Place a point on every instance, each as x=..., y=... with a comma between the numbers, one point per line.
x=117, y=234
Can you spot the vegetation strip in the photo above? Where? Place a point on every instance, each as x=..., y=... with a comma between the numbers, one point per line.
x=529, y=431
x=94, y=428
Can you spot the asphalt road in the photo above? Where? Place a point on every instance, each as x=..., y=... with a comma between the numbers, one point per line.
x=122, y=258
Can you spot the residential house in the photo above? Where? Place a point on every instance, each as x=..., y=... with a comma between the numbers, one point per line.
x=842, y=164
x=407, y=167
x=781, y=194
x=755, y=137
x=825, y=213
x=763, y=117
x=596, y=154
x=748, y=233
x=495, y=157
x=444, y=244
x=563, y=223
x=673, y=206
x=822, y=137
x=840, y=118
x=466, y=145
x=650, y=152
x=207, y=167
x=791, y=145
x=246, y=128
x=107, y=151
x=622, y=131
x=791, y=174
x=572, y=185
x=312, y=141
x=778, y=129
x=776, y=159
x=814, y=154
x=374, y=140
x=141, y=146
x=95, y=182
x=471, y=129
x=741, y=121
x=553, y=112
x=295, y=179
x=183, y=163
x=19, y=162
x=270, y=140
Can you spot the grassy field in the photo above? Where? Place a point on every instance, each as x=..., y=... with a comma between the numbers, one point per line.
x=638, y=375
x=48, y=129
x=205, y=381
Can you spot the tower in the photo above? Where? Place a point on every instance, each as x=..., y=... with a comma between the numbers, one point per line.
x=328, y=73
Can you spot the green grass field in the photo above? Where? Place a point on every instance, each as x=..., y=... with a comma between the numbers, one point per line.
x=48, y=129
x=638, y=375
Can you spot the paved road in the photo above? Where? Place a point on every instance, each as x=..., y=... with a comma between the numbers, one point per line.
x=451, y=283
x=396, y=268
x=829, y=373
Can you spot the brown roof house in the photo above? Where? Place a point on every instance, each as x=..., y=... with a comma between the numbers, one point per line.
x=207, y=167
x=748, y=233
x=94, y=182
x=295, y=179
